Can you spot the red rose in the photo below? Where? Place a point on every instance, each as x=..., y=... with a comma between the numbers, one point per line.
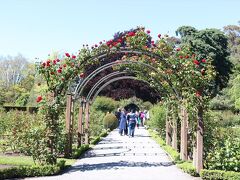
x=100, y=42
x=148, y=31
x=81, y=75
x=44, y=64
x=180, y=57
x=198, y=94
x=203, y=60
x=63, y=79
x=119, y=40
x=60, y=67
x=64, y=65
x=59, y=70
x=178, y=49
x=96, y=45
x=131, y=34
x=58, y=60
x=73, y=56
x=52, y=73
x=196, y=62
x=39, y=99
x=159, y=35
x=54, y=61
x=115, y=43
x=186, y=56
x=67, y=54
x=152, y=42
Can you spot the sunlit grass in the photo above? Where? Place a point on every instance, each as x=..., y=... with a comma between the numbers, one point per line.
x=26, y=160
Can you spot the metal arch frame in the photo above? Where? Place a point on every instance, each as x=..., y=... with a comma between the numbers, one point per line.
x=81, y=85
x=111, y=81
x=127, y=50
x=103, y=79
x=109, y=76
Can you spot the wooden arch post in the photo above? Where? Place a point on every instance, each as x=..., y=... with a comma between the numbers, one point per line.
x=168, y=132
x=69, y=109
x=184, y=130
x=174, y=132
x=80, y=124
x=87, y=116
x=199, y=150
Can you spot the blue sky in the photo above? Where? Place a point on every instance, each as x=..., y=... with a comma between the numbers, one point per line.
x=35, y=28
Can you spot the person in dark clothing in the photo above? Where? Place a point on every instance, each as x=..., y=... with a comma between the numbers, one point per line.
x=132, y=120
x=118, y=115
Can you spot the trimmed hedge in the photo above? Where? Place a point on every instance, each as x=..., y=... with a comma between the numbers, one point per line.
x=78, y=152
x=31, y=171
x=110, y=121
x=95, y=140
x=188, y=167
x=219, y=175
x=175, y=156
x=98, y=138
x=172, y=152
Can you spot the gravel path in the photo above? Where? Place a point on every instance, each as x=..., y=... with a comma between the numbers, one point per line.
x=120, y=157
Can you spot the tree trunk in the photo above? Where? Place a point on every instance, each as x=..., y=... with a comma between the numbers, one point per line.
x=184, y=121
x=199, y=151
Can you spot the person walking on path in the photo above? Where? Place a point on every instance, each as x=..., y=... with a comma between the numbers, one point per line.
x=123, y=122
x=131, y=123
x=118, y=114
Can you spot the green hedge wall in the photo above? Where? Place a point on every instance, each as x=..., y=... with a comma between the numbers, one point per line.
x=31, y=171
x=219, y=175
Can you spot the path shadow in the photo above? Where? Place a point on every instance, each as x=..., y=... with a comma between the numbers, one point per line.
x=116, y=165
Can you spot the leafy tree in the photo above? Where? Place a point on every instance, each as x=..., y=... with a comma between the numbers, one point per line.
x=210, y=43
x=17, y=79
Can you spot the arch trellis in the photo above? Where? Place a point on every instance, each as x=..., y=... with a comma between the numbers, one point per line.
x=84, y=109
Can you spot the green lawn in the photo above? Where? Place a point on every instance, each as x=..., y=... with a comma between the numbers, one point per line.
x=26, y=160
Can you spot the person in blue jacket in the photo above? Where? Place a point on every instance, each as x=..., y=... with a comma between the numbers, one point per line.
x=132, y=120
x=123, y=121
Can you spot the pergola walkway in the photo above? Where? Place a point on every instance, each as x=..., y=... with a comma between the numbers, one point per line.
x=120, y=157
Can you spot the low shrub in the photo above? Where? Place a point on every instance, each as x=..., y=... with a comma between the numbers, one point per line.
x=95, y=140
x=98, y=138
x=79, y=151
x=219, y=175
x=31, y=171
x=110, y=121
x=172, y=152
x=105, y=104
x=157, y=118
x=226, y=155
x=188, y=167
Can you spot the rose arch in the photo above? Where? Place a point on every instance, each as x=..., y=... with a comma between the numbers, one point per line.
x=176, y=73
